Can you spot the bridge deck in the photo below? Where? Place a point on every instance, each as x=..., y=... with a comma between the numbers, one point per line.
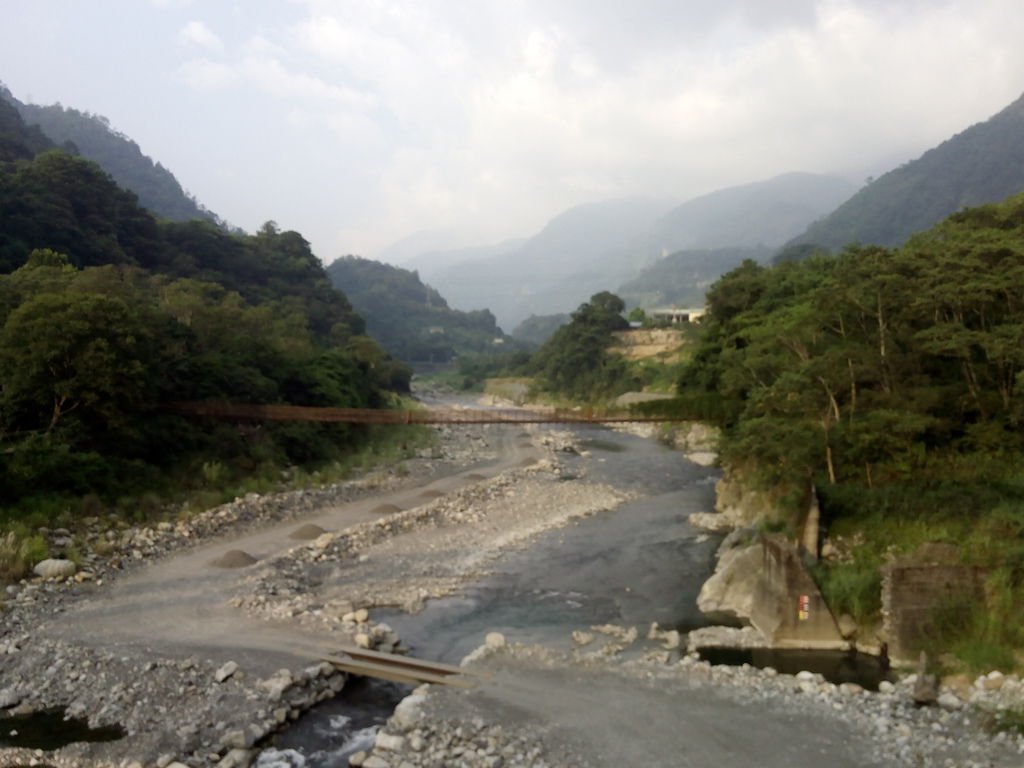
x=248, y=412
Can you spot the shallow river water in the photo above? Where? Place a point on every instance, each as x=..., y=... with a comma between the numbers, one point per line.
x=631, y=566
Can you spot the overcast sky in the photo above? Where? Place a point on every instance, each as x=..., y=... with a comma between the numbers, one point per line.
x=358, y=122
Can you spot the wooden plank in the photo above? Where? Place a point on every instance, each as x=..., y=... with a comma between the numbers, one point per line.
x=410, y=662
x=397, y=674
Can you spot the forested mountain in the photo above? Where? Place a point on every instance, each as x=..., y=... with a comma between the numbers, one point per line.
x=412, y=320
x=580, y=252
x=983, y=164
x=17, y=140
x=893, y=380
x=108, y=314
x=681, y=279
x=765, y=213
x=92, y=137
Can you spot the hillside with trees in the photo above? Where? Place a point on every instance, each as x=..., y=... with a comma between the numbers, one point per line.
x=92, y=137
x=411, y=320
x=892, y=379
x=108, y=315
x=983, y=164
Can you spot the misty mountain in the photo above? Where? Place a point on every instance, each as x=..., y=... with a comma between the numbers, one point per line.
x=432, y=261
x=92, y=137
x=582, y=251
x=411, y=320
x=983, y=164
x=682, y=278
x=764, y=213
x=600, y=246
x=536, y=329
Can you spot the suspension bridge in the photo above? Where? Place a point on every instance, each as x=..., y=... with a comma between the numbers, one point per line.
x=251, y=412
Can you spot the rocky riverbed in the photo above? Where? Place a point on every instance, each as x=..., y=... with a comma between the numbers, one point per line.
x=662, y=700
x=179, y=704
x=200, y=663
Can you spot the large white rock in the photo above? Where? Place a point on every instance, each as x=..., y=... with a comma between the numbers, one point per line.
x=408, y=711
x=53, y=568
x=729, y=594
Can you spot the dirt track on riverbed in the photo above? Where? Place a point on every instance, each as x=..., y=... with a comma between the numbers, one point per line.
x=180, y=605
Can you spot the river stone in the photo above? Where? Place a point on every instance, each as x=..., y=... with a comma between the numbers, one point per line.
x=357, y=759
x=237, y=758
x=408, y=712
x=234, y=558
x=375, y=762
x=53, y=568
x=363, y=640
x=385, y=509
x=237, y=739
x=307, y=532
x=994, y=680
x=9, y=698
x=494, y=640
x=226, y=671
x=390, y=742
x=949, y=700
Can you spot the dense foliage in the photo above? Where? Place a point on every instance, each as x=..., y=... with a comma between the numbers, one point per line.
x=983, y=164
x=412, y=320
x=894, y=379
x=89, y=357
x=108, y=314
x=575, y=362
x=92, y=137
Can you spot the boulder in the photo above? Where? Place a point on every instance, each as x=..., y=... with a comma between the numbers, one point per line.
x=53, y=568
x=9, y=698
x=729, y=594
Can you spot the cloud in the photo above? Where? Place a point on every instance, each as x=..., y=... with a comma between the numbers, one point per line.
x=492, y=117
x=197, y=33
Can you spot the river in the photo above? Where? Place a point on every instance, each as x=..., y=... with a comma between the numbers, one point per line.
x=631, y=566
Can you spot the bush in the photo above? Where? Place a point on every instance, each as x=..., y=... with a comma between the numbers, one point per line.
x=19, y=553
x=854, y=588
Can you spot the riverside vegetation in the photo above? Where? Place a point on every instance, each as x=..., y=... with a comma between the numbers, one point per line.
x=108, y=314
x=891, y=379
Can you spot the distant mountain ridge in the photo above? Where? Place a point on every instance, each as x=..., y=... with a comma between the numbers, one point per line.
x=581, y=251
x=982, y=164
x=763, y=213
x=92, y=137
x=600, y=246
